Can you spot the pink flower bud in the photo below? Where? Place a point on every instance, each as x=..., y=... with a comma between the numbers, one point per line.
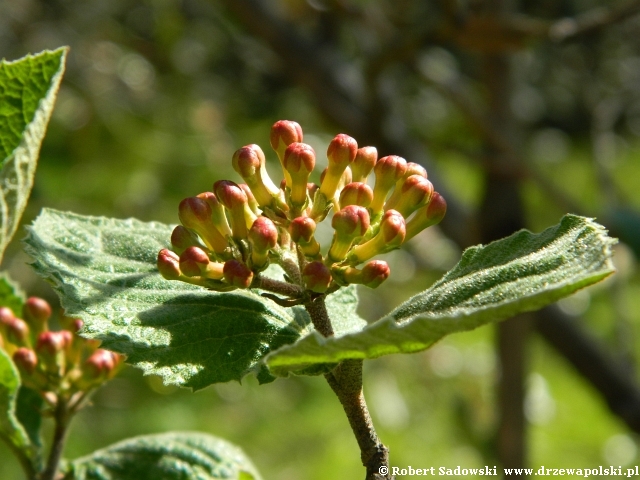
x=26, y=360
x=100, y=366
x=18, y=332
x=263, y=236
x=428, y=215
x=37, y=312
x=6, y=315
x=236, y=201
x=218, y=216
x=415, y=192
x=349, y=223
x=250, y=164
x=195, y=214
x=371, y=275
x=168, y=264
x=363, y=163
x=388, y=171
x=283, y=134
x=299, y=160
x=237, y=274
x=356, y=193
x=391, y=234
x=182, y=238
x=51, y=343
x=341, y=152
x=317, y=277
x=193, y=261
x=301, y=230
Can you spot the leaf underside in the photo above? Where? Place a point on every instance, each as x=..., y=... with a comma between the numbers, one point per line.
x=523, y=272
x=104, y=271
x=28, y=89
x=169, y=456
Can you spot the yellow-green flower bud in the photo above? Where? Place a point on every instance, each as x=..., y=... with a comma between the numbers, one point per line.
x=341, y=152
x=237, y=274
x=301, y=230
x=391, y=234
x=218, y=215
x=371, y=275
x=250, y=164
x=195, y=214
x=356, y=193
x=263, y=236
x=299, y=160
x=236, y=201
x=194, y=262
x=283, y=134
x=388, y=171
x=412, y=169
x=349, y=224
x=182, y=238
x=169, y=264
x=415, y=192
x=364, y=162
x=427, y=216
x=316, y=277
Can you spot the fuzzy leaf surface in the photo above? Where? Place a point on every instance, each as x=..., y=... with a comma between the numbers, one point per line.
x=11, y=430
x=169, y=456
x=28, y=89
x=104, y=271
x=520, y=273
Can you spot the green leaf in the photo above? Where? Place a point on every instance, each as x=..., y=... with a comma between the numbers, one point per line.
x=169, y=456
x=521, y=273
x=28, y=411
x=104, y=271
x=11, y=295
x=28, y=89
x=11, y=431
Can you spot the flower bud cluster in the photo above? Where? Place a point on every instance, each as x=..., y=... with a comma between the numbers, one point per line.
x=229, y=235
x=54, y=363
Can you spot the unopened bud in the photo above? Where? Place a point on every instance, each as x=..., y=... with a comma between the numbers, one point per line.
x=236, y=201
x=100, y=366
x=341, y=152
x=356, y=193
x=412, y=169
x=371, y=275
x=263, y=236
x=250, y=164
x=317, y=277
x=299, y=160
x=182, y=238
x=237, y=274
x=388, y=171
x=36, y=312
x=391, y=234
x=283, y=134
x=195, y=214
x=427, y=216
x=364, y=162
x=168, y=264
x=50, y=348
x=415, y=192
x=218, y=217
x=6, y=315
x=194, y=262
x=349, y=223
x=18, y=332
x=302, y=230
x=26, y=360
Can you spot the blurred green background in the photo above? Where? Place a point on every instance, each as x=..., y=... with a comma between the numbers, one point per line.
x=158, y=95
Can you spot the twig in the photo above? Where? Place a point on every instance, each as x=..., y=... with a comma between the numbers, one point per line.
x=318, y=312
x=61, y=418
x=276, y=286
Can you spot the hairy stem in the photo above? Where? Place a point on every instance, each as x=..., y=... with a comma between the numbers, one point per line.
x=346, y=382
x=61, y=419
x=276, y=286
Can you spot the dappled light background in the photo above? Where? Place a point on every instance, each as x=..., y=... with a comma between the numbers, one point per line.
x=519, y=117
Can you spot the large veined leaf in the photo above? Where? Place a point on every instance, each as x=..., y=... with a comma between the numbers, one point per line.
x=523, y=272
x=11, y=431
x=104, y=271
x=28, y=89
x=169, y=456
